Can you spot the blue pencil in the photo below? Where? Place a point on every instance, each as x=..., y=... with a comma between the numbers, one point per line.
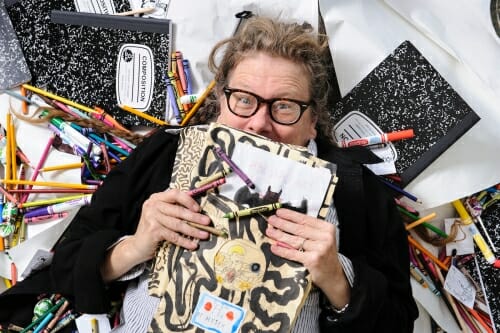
x=400, y=190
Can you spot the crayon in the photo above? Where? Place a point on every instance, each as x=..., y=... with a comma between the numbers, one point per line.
x=212, y=230
x=209, y=186
x=253, y=210
x=45, y=218
x=215, y=176
x=222, y=155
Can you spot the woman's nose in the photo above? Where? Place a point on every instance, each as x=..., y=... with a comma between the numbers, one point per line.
x=260, y=122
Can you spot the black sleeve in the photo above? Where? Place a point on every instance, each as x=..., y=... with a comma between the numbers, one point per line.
x=372, y=235
x=114, y=212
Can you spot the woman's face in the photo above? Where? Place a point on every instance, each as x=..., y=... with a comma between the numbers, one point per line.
x=270, y=77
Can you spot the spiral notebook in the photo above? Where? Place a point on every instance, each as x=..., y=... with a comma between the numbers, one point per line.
x=406, y=92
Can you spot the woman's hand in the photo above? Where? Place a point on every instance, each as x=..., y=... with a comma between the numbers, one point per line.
x=312, y=242
x=163, y=218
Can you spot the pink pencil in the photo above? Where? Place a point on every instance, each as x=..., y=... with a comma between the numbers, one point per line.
x=40, y=164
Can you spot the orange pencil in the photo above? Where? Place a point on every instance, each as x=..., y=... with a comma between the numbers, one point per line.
x=480, y=320
x=422, y=249
x=24, y=103
x=420, y=221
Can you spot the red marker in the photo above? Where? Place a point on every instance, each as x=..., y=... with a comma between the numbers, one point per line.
x=376, y=139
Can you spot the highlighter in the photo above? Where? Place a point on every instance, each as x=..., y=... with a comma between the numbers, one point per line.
x=480, y=242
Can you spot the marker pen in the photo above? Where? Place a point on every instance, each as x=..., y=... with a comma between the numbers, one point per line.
x=480, y=242
x=376, y=139
x=60, y=207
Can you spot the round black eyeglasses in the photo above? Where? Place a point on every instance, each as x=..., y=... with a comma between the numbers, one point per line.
x=284, y=111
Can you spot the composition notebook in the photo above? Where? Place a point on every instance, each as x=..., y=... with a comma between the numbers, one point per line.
x=13, y=67
x=485, y=274
x=235, y=283
x=99, y=59
x=405, y=91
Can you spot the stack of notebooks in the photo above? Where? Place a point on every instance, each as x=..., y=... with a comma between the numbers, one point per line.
x=406, y=92
x=98, y=60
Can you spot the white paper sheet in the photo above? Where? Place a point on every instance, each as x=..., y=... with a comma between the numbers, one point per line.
x=362, y=34
x=199, y=25
x=463, y=28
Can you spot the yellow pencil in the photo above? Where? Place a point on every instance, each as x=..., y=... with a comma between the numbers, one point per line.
x=62, y=167
x=198, y=103
x=143, y=115
x=50, y=184
x=420, y=221
x=13, y=148
x=59, y=98
x=94, y=325
x=49, y=201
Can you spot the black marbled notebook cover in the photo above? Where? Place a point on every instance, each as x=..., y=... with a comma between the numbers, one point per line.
x=13, y=67
x=104, y=50
x=483, y=273
x=405, y=91
x=77, y=57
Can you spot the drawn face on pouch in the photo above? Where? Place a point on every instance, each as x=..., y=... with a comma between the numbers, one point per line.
x=270, y=77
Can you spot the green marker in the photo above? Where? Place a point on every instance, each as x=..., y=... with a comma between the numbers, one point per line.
x=253, y=210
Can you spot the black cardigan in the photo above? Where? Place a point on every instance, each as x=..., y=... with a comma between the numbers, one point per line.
x=371, y=235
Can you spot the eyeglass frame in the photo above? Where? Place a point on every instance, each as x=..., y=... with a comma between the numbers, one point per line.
x=269, y=102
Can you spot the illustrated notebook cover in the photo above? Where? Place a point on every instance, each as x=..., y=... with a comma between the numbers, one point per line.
x=406, y=92
x=13, y=68
x=235, y=283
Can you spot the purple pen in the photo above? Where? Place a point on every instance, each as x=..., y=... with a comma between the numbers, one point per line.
x=234, y=167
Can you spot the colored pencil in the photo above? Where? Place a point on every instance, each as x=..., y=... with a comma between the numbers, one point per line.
x=143, y=115
x=198, y=103
x=54, y=184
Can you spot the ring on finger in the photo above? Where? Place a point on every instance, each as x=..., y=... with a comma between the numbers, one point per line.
x=301, y=247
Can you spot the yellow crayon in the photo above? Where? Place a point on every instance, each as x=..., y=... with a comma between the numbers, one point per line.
x=253, y=210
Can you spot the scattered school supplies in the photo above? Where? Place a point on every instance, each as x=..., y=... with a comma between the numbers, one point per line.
x=405, y=91
x=125, y=66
